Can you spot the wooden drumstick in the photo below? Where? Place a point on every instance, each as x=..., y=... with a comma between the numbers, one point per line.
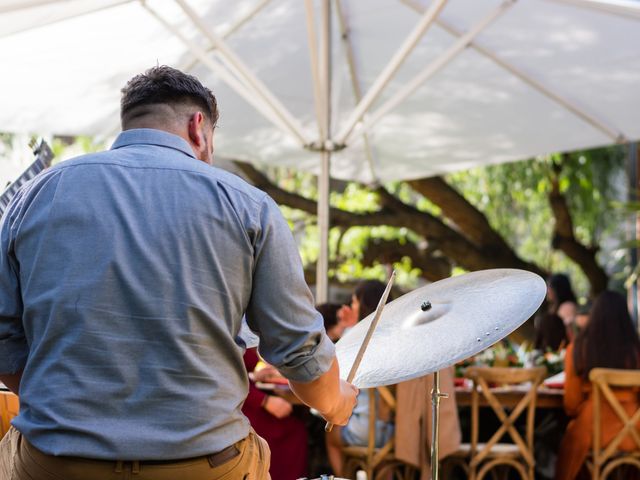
x=365, y=342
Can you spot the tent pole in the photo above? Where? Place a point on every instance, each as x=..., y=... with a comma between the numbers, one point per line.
x=590, y=118
x=391, y=68
x=234, y=28
x=627, y=9
x=220, y=71
x=632, y=197
x=23, y=5
x=322, y=270
x=431, y=69
x=252, y=80
x=355, y=84
x=318, y=92
x=53, y=21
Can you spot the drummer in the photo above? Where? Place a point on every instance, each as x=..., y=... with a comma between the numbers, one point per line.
x=124, y=276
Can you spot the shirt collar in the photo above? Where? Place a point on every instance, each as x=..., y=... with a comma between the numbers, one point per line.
x=151, y=136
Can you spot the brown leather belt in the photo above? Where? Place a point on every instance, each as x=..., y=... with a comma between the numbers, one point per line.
x=223, y=456
x=214, y=459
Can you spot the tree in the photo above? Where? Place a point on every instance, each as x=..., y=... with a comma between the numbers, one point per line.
x=543, y=215
x=503, y=216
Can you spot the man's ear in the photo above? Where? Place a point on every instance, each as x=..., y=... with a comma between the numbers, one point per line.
x=195, y=130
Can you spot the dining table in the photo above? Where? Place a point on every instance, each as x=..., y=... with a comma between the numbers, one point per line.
x=549, y=397
x=509, y=396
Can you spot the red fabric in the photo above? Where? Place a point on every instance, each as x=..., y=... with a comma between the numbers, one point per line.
x=287, y=437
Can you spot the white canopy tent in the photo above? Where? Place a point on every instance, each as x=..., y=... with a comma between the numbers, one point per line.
x=375, y=90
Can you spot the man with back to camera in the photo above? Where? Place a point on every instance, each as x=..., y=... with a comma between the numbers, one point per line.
x=124, y=276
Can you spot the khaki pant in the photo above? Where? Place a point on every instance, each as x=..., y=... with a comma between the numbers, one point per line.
x=20, y=460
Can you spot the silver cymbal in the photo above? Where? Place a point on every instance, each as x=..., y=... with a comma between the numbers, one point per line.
x=467, y=314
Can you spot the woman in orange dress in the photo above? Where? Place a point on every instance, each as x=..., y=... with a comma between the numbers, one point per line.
x=608, y=341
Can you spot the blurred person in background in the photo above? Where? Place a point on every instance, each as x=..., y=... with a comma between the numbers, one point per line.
x=364, y=301
x=332, y=324
x=562, y=301
x=609, y=340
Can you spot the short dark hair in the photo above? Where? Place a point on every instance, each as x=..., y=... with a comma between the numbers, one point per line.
x=369, y=293
x=164, y=84
x=329, y=313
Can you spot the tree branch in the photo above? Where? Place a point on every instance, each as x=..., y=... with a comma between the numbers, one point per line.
x=471, y=221
x=565, y=240
x=451, y=243
x=388, y=251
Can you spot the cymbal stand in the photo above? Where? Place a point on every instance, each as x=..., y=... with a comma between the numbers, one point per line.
x=436, y=395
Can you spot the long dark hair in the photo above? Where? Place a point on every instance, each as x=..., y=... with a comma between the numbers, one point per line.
x=551, y=333
x=609, y=339
x=561, y=286
x=368, y=293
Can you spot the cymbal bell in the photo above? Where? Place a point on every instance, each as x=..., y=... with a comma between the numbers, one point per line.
x=440, y=324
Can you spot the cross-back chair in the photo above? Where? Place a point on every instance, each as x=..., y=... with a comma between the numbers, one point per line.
x=481, y=458
x=9, y=408
x=377, y=462
x=607, y=459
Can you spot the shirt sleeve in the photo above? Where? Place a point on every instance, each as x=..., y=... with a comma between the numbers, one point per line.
x=13, y=344
x=281, y=309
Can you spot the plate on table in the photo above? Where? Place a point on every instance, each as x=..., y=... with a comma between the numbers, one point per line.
x=555, y=381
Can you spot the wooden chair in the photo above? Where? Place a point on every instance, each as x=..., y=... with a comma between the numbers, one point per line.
x=605, y=460
x=480, y=458
x=377, y=462
x=9, y=408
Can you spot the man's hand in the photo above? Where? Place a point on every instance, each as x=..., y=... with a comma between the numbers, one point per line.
x=332, y=397
x=344, y=405
x=278, y=407
x=266, y=373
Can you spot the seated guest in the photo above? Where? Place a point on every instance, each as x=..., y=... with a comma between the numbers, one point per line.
x=364, y=301
x=271, y=417
x=551, y=334
x=562, y=301
x=332, y=325
x=582, y=317
x=414, y=418
x=609, y=340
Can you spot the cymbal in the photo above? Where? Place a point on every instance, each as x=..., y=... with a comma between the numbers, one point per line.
x=440, y=324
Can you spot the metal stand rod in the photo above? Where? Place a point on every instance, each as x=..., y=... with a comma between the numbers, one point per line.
x=436, y=395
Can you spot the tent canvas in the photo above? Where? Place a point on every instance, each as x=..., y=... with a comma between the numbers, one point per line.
x=390, y=89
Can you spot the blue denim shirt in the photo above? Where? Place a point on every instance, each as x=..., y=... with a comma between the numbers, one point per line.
x=124, y=276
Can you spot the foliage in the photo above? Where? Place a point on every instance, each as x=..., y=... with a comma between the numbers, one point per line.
x=502, y=354
x=552, y=361
x=515, y=199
